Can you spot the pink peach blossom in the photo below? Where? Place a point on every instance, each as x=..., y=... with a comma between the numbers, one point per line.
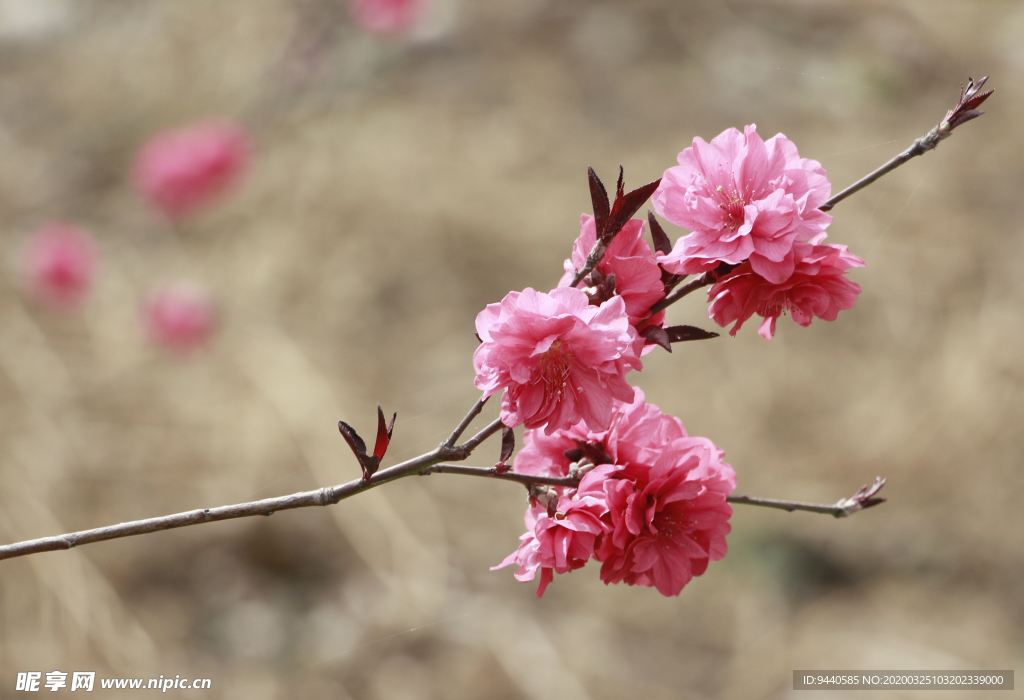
x=179, y=316
x=560, y=359
x=667, y=521
x=559, y=544
x=630, y=259
x=387, y=16
x=743, y=199
x=59, y=264
x=817, y=288
x=180, y=170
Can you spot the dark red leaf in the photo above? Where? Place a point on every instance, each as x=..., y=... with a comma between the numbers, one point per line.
x=656, y=335
x=662, y=244
x=383, y=434
x=599, y=198
x=627, y=205
x=678, y=334
x=508, y=443
x=620, y=186
x=368, y=463
x=966, y=107
x=352, y=438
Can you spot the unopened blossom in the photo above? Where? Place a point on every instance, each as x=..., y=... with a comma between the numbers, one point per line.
x=559, y=359
x=630, y=259
x=558, y=544
x=179, y=316
x=59, y=264
x=387, y=16
x=667, y=520
x=181, y=170
x=817, y=288
x=744, y=199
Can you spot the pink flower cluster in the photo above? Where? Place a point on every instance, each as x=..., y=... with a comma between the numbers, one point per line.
x=646, y=500
x=652, y=507
x=753, y=203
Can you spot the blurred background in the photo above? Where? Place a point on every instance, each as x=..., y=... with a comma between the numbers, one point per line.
x=399, y=182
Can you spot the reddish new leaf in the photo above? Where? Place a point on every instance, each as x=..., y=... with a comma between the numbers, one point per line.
x=624, y=208
x=662, y=244
x=678, y=334
x=656, y=335
x=368, y=462
x=508, y=445
x=599, y=198
x=966, y=108
x=383, y=434
x=352, y=438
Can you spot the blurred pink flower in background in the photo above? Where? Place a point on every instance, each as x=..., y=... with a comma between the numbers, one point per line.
x=561, y=359
x=817, y=287
x=387, y=16
x=743, y=198
x=180, y=170
x=59, y=265
x=179, y=316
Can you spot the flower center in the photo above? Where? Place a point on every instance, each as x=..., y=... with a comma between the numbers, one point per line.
x=776, y=305
x=731, y=202
x=672, y=522
x=554, y=367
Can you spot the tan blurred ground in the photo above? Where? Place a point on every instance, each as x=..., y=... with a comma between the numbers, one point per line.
x=397, y=188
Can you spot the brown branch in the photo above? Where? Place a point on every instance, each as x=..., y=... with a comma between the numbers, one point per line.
x=691, y=286
x=845, y=507
x=461, y=427
x=596, y=253
x=321, y=497
x=965, y=110
x=495, y=473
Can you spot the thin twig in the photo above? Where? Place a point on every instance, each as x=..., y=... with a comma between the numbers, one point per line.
x=461, y=427
x=321, y=497
x=471, y=444
x=691, y=286
x=917, y=149
x=494, y=473
x=596, y=253
x=864, y=498
x=965, y=110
